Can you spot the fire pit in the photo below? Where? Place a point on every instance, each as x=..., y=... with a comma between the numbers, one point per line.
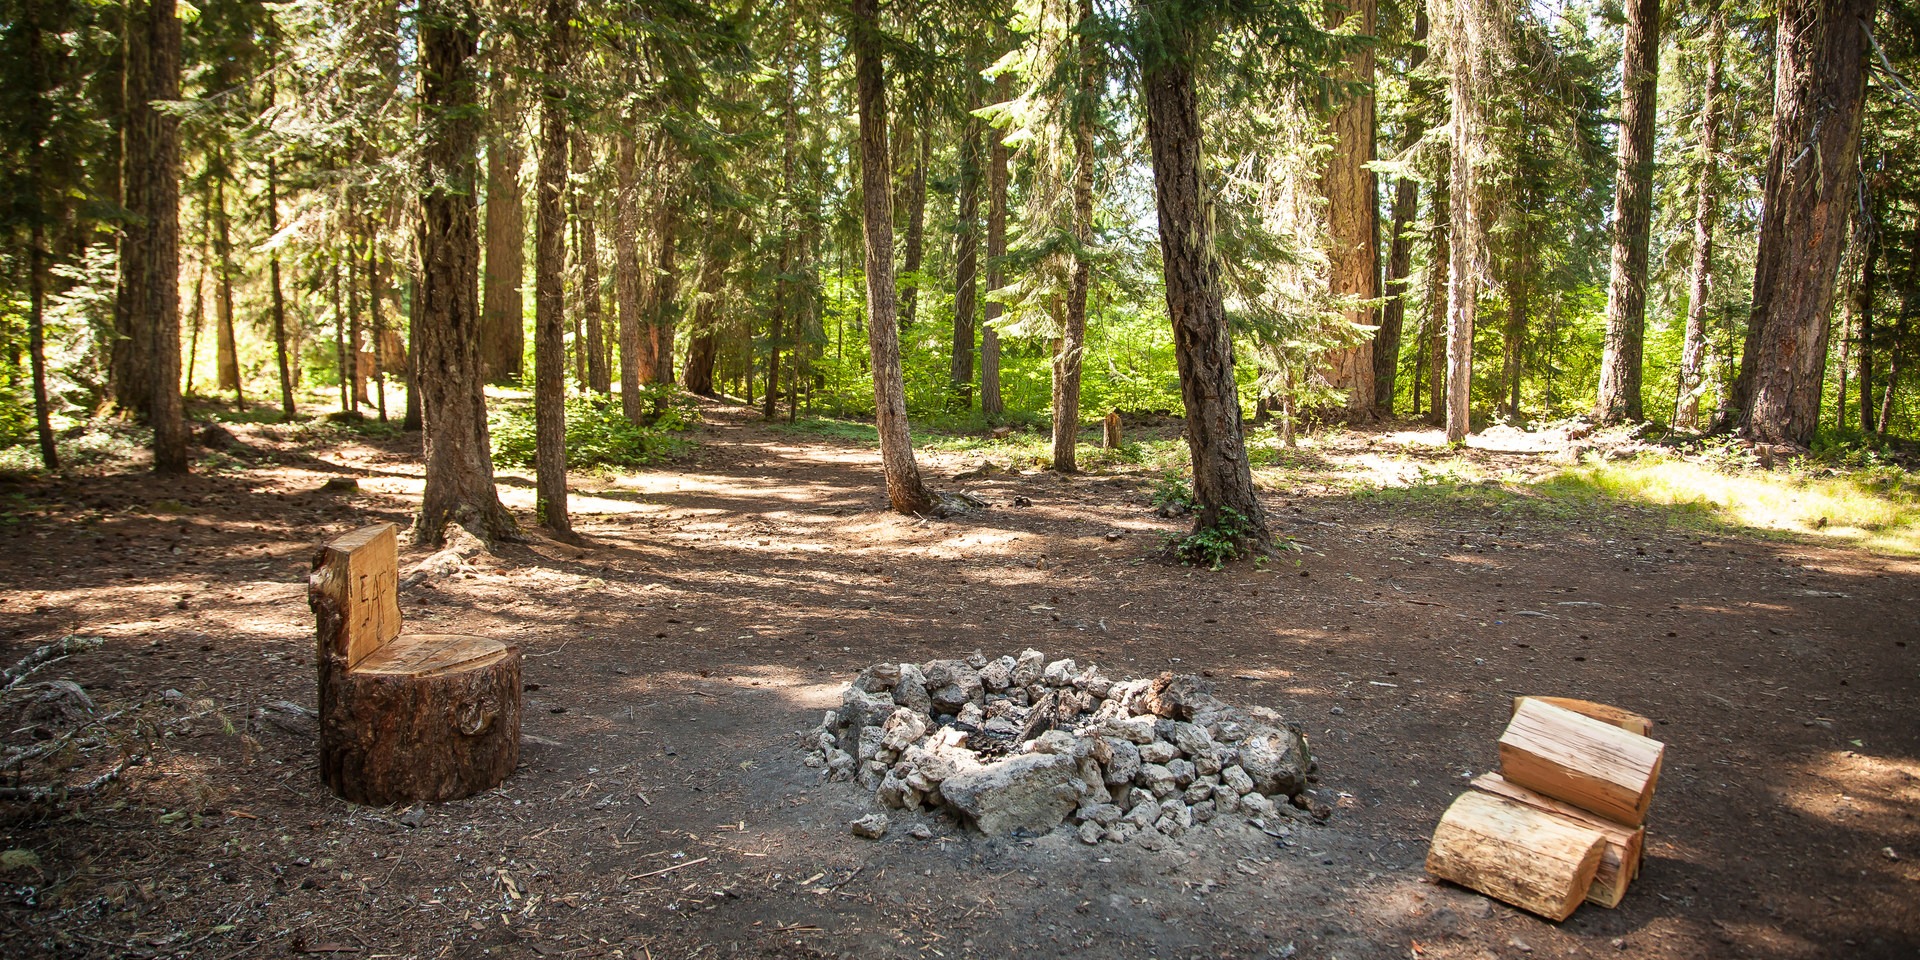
x=1022, y=745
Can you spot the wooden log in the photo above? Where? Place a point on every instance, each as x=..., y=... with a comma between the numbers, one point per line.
x=427, y=717
x=1575, y=759
x=404, y=718
x=1619, y=861
x=1535, y=860
x=1624, y=719
x=1110, y=432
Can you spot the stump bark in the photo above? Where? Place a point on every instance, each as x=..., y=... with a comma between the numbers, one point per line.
x=428, y=717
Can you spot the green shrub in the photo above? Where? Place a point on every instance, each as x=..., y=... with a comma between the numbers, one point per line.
x=598, y=434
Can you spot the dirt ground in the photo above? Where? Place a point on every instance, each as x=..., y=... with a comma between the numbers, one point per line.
x=717, y=607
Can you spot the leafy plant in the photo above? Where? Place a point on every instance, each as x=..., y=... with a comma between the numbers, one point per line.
x=1173, y=496
x=1212, y=546
x=598, y=434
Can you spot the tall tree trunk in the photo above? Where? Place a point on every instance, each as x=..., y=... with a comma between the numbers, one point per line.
x=453, y=404
x=1693, y=347
x=227, y=358
x=1863, y=310
x=1620, y=357
x=626, y=274
x=342, y=356
x=1203, y=347
x=1467, y=237
x=1406, y=204
x=1070, y=349
x=549, y=277
x=378, y=322
x=502, y=323
x=280, y=351
x=37, y=344
x=1440, y=227
x=905, y=492
x=1809, y=193
x=703, y=345
x=966, y=257
x=356, y=357
x=150, y=248
x=916, y=218
x=1513, y=337
x=783, y=288
x=411, y=419
x=991, y=404
x=662, y=290
x=599, y=379
x=1353, y=215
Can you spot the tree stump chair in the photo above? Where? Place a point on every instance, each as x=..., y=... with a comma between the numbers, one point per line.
x=404, y=718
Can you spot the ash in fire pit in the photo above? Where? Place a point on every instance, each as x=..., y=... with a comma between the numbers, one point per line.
x=1021, y=744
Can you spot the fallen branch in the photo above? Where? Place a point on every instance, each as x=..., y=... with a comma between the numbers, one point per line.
x=43, y=656
x=38, y=794
x=21, y=755
x=662, y=870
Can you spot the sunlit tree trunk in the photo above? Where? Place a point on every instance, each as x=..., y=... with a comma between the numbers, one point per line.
x=1353, y=216
x=703, y=345
x=966, y=256
x=502, y=320
x=1820, y=85
x=1620, y=357
x=150, y=247
x=1406, y=204
x=1440, y=223
x=226, y=344
x=549, y=275
x=1203, y=347
x=1467, y=236
x=599, y=378
x=905, y=492
x=1693, y=347
x=37, y=344
x=459, y=468
x=626, y=273
x=916, y=220
x=991, y=403
x=1070, y=350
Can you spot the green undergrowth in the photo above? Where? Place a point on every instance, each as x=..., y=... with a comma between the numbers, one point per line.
x=598, y=434
x=1876, y=508
x=1029, y=445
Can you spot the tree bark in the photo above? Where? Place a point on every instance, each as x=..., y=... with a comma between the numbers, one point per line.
x=37, y=344
x=1353, y=216
x=502, y=327
x=966, y=257
x=1693, y=347
x=459, y=468
x=1869, y=241
x=991, y=404
x=1819, y=90
x=150, y=246
x=1620, y=357
x=1513, y=338
x=411, y=419
x=662, y=293
x=1203, y=347
x=626, y=274
x=1070, y=349
x=280, y=351
x=378, y=322
x=227, y=351
x=905, y=492
x=916, y=220
x=549, y=275
x=599, y=379
x=1406, y=204
x=1467, y=235
x=1440, y=226
x=341, y=355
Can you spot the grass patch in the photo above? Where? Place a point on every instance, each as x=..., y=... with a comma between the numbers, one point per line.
x=1878, y=509
x=598, y=434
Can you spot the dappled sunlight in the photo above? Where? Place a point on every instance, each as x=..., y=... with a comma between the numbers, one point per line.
x=1849, y=785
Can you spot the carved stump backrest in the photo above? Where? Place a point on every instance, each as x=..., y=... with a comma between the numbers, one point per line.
x=355, y=593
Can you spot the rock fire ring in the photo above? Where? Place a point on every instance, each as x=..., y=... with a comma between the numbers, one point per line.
x=1022, y=746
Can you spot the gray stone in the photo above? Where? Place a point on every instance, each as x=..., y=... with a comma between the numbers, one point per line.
x=1258, y=807
x=1104, y=814
x=903, y=729
x=1027, y=669
x=858, y=708
x=920, y=831
x=1156, y=778
x=1095, y=779
x=1152, y=840
x=1090, y=833
x=1125, y=763
x=1142, y=815
x=1033, y=791
x=1198, y=791
x=963, y=688
x=1277, y=761
x=1121, y=832
x=1176, y=696
x=1055, y=741
x=873, y=826
x=1237, y=780
x=870, y=739
x=878, y=678
x=1203, y=811
x=976, y=660
x=1192, y=741
x=840, y=765
x=1206, y=764
x=871, y=773
x=998, y=675
x=1059, y=673
x=1157, y=751
x=911, y=693
x=971, y=715
x=892, y=791
x=1182, y=771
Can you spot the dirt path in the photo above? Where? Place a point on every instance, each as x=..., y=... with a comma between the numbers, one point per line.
x=718, y=607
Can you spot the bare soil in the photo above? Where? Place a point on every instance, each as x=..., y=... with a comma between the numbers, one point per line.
x=715, y=608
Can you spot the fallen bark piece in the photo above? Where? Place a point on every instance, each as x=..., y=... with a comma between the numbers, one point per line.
x=1619, y=862
x=1624, y=719
x=1535, y=860
x=1575, y=759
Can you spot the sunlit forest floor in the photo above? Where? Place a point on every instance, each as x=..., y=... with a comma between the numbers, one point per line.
x=718, y=604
